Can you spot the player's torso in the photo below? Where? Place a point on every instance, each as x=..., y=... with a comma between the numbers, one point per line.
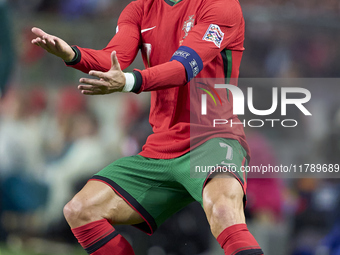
x=164, y=26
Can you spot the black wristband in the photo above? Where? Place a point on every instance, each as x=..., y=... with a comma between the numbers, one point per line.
x=77, y=57
x=138, y=82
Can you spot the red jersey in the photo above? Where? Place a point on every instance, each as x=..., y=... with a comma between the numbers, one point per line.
x=179, y=41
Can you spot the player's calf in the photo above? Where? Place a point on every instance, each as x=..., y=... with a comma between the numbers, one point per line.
x=100, y=238
x=223, y=205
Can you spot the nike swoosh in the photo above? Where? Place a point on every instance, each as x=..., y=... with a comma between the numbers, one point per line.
x=147, y=29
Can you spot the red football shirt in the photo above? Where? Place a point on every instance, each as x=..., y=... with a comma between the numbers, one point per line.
x=179, y=41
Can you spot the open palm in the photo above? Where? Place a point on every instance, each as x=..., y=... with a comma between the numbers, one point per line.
x=53, y=44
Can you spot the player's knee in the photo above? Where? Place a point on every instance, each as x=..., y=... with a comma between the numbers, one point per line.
x=219, y=203
x=76, y=212
x=223, y=211
x=221, y=207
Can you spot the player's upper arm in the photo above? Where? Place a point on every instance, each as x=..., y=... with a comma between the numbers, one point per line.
x=127, y=39
x=219, y=25
x=125, y=43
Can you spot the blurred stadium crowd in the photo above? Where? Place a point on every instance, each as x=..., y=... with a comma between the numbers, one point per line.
x=52, y=138
x=76, y=8
x=313, y=6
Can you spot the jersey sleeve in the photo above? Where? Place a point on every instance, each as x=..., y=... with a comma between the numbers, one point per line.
x=219, y=25
x=125, y=43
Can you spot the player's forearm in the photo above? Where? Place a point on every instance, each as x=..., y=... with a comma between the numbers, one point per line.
x=163, y=76
x=86, y=60
x=125, y=43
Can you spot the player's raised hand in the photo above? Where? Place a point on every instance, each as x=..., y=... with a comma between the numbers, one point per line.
x=109, y=82
x=53, y=44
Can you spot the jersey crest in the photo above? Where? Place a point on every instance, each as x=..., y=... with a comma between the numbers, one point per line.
x=214, y=34
x=188, y=25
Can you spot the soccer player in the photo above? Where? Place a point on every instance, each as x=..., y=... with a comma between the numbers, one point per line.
x=179, y=41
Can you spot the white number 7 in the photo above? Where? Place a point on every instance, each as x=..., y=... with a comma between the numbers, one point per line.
x=229, y=155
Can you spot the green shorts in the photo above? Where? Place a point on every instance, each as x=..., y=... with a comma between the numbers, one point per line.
x=157, y=188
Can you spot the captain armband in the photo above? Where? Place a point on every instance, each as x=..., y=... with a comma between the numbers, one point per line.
x=191, y=61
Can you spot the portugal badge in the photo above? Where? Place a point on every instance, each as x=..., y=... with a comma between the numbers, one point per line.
x=188, y=25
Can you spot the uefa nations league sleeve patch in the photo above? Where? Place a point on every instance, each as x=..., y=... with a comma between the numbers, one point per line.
x=214, y=34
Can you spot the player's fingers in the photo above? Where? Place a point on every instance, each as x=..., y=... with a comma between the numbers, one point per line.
x=91, y=91
x=88, y=92
x=35, y=41
x=115, y=63
x=42, y=45
x=45, y=38
x=49, y=40
x=89, y=88
x=97, y=92
x=97, y=74
x=86, y=87
x=94, y=82
x=40, y=40
x=38, y=32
